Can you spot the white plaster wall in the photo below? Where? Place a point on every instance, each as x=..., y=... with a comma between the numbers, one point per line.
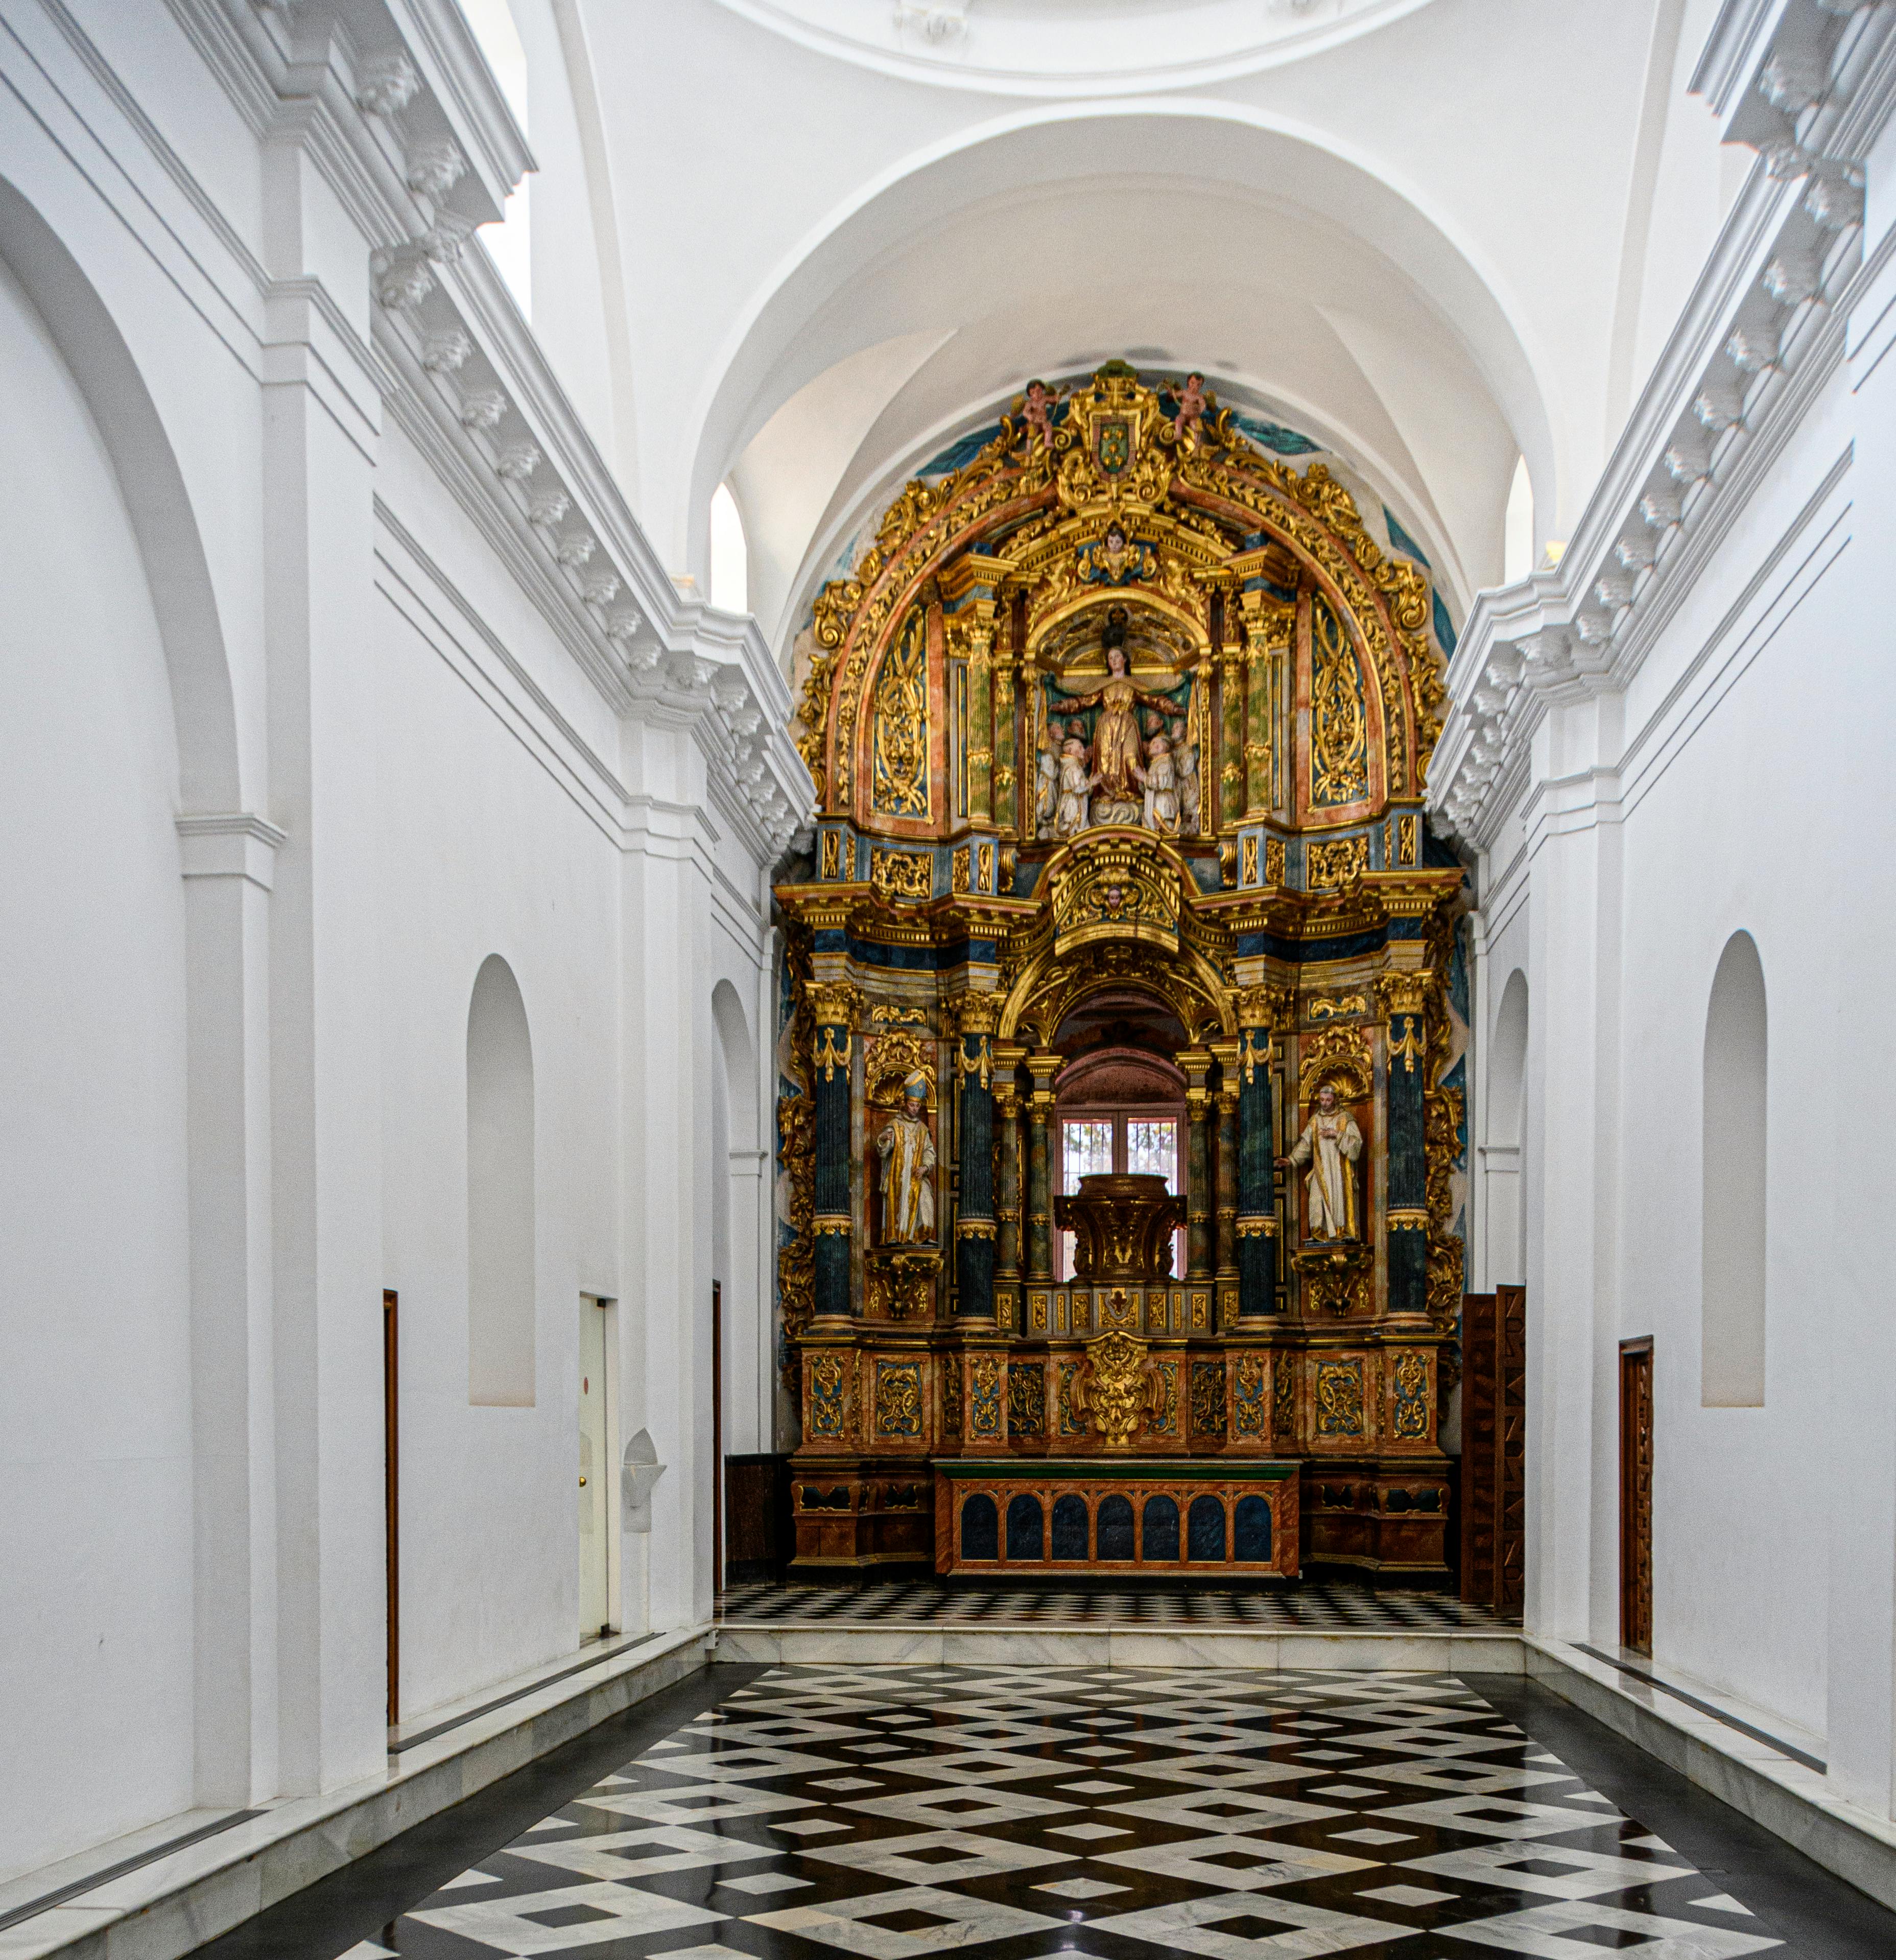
x=482, y=850
x=95, y=1391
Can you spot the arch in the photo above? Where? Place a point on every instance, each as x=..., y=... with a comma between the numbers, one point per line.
x=1113, y=1530
x=1158, y=1531
x=1204, y=1530
x=739, y=1201
x=1069, y=1539
x=826, y=301
x=980, y=1527
x=1025, y=1528
x=1251, y=1531
x=1506, y=1117
x=1735, y=1169
x=501, y=1273
x=156, y=500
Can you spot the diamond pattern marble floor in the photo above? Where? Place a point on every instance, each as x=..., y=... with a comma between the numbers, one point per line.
x=899, y=1812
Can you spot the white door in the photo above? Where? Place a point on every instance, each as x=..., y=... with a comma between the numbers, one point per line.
x=595, y=1610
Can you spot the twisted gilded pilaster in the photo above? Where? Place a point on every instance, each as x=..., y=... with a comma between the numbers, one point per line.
x=833, y=1007
x=1225, y=1098
x=1404, y=998
x=979, y=635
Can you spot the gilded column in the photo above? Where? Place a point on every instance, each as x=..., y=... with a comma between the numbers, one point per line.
x=1197, y=1064
x=975, y=1213
x=832, y=1005
x=1231, y=764
x=1257, y=1168
x=1006, y=801
x=1042, y=1067
x=981, y=756
x=1007, y=1060
x=1226, y=1053
x=1268, y=625
x=1404, y=997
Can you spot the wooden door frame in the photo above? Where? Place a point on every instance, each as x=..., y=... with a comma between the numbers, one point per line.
x=717, y=1438
x=1634, y=1530
x=391, y=1497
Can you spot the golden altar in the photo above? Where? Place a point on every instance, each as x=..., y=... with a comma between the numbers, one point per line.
x=1119, y=730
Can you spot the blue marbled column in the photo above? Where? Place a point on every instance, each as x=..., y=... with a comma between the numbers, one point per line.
x=829, y=1081
x=1257, y=1180
x=1408, y=1173
x=974, y=1216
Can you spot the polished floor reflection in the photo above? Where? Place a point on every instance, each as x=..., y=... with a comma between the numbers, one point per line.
x=893, y=1811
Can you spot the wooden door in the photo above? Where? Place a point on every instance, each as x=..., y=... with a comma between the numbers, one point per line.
x=1636, y=1496
x=1493, y=1448
x=391, y=1496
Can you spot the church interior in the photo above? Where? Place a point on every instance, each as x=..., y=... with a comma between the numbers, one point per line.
x=937, y=1061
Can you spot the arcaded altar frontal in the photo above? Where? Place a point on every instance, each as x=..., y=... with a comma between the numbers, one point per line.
x=1119, y=873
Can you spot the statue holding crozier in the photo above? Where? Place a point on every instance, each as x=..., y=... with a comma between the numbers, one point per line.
x=908, y=1154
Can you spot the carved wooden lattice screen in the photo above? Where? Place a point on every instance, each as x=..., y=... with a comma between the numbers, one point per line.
x=1493, y=1434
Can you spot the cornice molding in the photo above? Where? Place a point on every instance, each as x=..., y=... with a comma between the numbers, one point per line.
x=1762, y=334
x=402, y=116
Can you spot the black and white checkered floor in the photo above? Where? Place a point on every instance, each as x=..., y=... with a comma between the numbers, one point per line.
x=927, y=1602
x=896, y=1812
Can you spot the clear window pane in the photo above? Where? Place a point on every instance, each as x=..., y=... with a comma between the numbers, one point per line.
x=1085, y=1147
x=1152, y=1148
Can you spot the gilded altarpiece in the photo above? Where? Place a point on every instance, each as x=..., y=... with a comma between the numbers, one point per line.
x=1119, y=730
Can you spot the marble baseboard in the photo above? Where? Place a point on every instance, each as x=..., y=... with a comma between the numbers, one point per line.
x=1788, y=1798
x=1451, y=1652
x=177, y=1903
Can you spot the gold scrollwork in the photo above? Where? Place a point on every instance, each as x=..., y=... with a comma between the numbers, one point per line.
x=983, y=1395
x=1119, y=885
x=1339, y=1397
x=1207, y=1398
x=888, y=1063
x=1411, y=1382
x=898, y=1398
x=1323, y=1010
x=1274, y=860
x=902, y=874
x=1329, y=863
x=829, y=1414
x=1335, y=1055
x=1026, y=1399
x=1405, y=1044
x=1247, y=1402
x=899, y=742
x=832, y=854
x=1339, y=728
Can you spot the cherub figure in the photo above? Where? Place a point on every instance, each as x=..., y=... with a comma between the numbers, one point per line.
x=1037, y=411
x=1191, y=406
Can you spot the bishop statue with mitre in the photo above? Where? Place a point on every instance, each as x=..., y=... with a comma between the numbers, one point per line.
x=908, y=1154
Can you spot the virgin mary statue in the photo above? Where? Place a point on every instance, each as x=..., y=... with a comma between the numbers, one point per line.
x=1118, y=754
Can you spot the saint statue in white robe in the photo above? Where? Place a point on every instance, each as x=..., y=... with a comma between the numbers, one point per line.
x=1330, y=1145
x=907, y=1155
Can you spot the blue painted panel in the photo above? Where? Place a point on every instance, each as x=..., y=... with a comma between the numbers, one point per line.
x=1205, y=1533
x=980, y=1528
x=1027, y=1528
x=1160, y=1535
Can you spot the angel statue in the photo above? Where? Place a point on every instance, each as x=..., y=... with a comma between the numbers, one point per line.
x=907, y=1155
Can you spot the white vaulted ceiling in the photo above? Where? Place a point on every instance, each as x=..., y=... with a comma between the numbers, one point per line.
x=843, y=233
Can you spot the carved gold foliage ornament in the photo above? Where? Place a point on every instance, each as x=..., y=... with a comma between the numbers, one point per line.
x=1112, y=886
x=1335, y=1055
x=891, y=1060
x=1410, y=1380
x=1283, y=1403
x=1026, y=1398
x=832, y=1052
x=1330, y=862
x=832, y=1003
x=983, y=1395
x=1323, y=1010
x=828, y=1413
x=898, y=1398
x=902, y=874
x=1339, y=1397
x=1339, y=728
x=1112, y=1392
x=1250, y=1416
x=1207, y=1398
x=898, y=741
